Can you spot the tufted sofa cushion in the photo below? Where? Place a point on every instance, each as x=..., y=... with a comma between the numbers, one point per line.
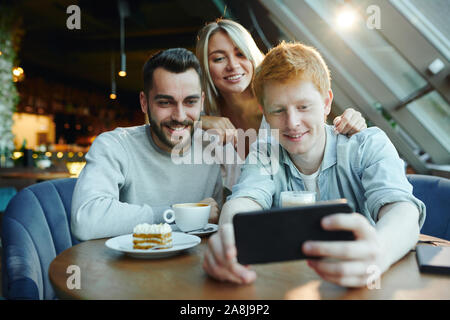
x=435, y=193
x=36, y=228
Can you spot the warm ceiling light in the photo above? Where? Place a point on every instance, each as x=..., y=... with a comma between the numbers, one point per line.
x=112, y=96
x=18, y=74
x=18, y=71
x=346, y=18
x=124, y=12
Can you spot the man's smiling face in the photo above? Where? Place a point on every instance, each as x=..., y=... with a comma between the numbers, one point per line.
x=298, y=110
x=174, y=103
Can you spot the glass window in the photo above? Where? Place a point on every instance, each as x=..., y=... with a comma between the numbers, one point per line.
x=434, y=113
x=379, y=56
x=431, y=18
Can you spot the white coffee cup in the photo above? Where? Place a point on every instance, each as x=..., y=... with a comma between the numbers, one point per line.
x=297, y=198
x=188, y=216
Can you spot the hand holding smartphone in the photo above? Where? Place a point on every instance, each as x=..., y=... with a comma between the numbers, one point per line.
x=278, y=234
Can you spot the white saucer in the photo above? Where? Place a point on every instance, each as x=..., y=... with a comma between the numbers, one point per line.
x=180, y=241
x=214, y=227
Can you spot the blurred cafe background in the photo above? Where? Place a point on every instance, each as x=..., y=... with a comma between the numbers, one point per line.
x=71, y=69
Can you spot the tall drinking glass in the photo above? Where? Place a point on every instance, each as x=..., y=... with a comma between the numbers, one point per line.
x=297, y=198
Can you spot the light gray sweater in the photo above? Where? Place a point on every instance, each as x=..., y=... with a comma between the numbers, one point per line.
x=129, y=180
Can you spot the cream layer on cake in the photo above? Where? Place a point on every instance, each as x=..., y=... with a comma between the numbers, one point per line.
x=146, y=236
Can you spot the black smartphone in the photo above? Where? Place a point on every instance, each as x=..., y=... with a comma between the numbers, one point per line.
x=433, y=259
x=278, y=234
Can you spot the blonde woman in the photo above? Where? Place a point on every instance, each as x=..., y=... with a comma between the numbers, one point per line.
x=228, y=56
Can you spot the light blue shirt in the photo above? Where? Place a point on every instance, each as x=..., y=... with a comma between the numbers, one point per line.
x=365, y=169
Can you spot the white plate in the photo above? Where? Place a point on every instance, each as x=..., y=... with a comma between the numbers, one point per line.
x=214, y=227
x=180, y=241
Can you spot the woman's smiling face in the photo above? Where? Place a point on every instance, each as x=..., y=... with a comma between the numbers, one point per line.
x=230, y=70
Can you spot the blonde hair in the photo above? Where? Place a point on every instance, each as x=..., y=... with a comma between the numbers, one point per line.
x=243, y=41
x=289, y=61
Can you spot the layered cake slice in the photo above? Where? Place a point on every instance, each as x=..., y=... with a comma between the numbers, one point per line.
x=146, y=236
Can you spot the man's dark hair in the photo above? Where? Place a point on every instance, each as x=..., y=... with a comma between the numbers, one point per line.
x=176, y=60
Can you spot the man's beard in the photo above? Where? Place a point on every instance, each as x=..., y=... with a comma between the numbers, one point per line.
x=158, y=131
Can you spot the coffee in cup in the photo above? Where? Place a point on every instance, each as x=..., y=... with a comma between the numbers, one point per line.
x=188, y=216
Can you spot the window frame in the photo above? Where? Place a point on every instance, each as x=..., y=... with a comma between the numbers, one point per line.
x=357, y=81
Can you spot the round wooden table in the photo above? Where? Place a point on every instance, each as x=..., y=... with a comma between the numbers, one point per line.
x=107, y=274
